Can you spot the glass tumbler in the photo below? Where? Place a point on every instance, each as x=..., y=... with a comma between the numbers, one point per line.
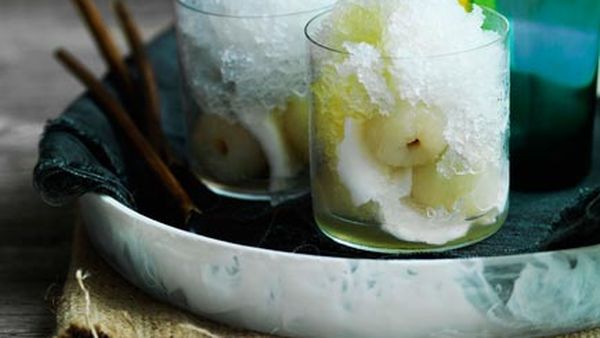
x=554, y=65
x=408, y=153
x=244, y=70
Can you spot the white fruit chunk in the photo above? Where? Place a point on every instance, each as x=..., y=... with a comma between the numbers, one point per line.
x=406, y=138
x=282, y=160
x=226, y=150
x=471, y=195
x=362, y=175
x=404, y=222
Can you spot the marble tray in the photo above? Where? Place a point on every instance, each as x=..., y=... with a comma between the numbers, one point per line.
x=288, y=294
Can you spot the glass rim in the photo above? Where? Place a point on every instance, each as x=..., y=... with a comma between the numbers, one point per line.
x=503, y=36
x=185, y=4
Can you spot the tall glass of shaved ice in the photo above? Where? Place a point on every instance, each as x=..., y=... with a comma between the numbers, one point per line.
x=245, y=84
x=409, y=124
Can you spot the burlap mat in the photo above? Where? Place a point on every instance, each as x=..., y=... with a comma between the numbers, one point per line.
x=98, y=303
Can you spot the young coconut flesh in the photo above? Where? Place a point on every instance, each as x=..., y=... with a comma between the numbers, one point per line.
x=416, y=202
x=368, y=181
x=284, y=163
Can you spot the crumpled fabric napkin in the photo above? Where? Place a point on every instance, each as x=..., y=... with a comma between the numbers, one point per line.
x=80, y=153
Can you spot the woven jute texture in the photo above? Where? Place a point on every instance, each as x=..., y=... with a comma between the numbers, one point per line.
x=98, y=303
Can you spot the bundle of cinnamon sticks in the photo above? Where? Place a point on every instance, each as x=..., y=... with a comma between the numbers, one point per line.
x=138, y=115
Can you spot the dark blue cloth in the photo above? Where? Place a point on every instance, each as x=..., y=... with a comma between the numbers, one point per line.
x=80, y=152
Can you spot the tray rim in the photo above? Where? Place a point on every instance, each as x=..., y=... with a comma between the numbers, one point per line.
x=164, y=263
x=112, y=202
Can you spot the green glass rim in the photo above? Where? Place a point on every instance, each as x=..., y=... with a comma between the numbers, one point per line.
x=505, y=29
x=187, y=5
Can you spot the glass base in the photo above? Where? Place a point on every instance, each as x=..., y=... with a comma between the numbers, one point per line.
x=370, y=237
x=275, y=191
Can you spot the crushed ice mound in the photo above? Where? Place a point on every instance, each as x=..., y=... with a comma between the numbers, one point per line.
x=437, y=55
x=244, y=60
x=256, y=8
x=249, y=63
x=366, y=63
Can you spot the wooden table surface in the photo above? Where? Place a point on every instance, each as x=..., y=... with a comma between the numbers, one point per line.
x=35, y=238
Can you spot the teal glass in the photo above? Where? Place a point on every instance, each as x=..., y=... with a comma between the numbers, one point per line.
x=554, y=65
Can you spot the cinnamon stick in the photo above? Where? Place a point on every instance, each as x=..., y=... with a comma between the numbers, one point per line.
x=108, y=49
x=129, y=130
x=146, y=85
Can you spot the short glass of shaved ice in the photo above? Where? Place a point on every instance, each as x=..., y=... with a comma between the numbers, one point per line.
x=409, y=124
x=245, y=84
